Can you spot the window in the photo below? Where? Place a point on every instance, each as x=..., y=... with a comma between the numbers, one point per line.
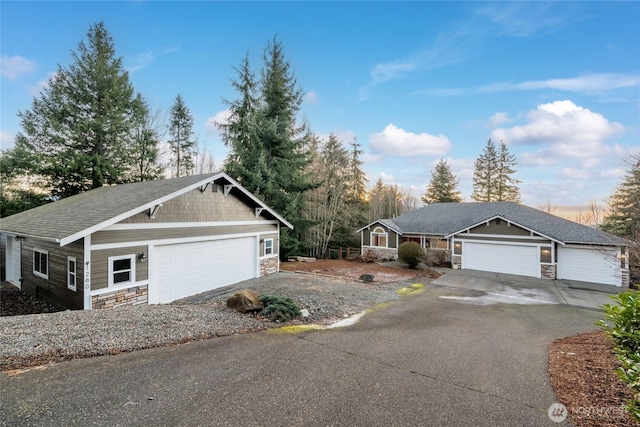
x=41, y=263
x=268, y=246
x=122, y=270
x=457, y=248
x=379, y=237
x=545, y=254
x=71, y=273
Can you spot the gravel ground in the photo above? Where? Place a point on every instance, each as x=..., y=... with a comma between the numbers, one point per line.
x=41, y=338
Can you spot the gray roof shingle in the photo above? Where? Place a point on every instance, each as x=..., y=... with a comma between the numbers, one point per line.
x=104, y=205
x=448, y=218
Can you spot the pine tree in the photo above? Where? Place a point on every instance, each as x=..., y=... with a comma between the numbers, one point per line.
x=181, y=144
x=506, y=186
x=624, y=204
x=485, y=176
x=443, y=186
x=78, y=130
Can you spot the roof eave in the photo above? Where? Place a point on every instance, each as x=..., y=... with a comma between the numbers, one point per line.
x=97, y=227
x=531, y=230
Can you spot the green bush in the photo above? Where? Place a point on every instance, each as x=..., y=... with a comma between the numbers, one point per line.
x=279, y=309
x=624, y=318
x=411, y=253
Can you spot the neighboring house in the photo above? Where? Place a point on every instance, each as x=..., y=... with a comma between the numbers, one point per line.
x=505, y=237
x=147, y=242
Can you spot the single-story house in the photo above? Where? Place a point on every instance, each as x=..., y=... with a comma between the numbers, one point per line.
x=505, y=237
x=142, y=243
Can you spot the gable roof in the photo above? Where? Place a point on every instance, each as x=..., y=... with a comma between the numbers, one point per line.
x=447, y=219
x=74, y=217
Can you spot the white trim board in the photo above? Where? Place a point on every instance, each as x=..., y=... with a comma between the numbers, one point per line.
x=160, y=242
x=162, y=225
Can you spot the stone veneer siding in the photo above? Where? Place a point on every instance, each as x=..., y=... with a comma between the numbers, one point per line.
x=456, y=260
x=128, y=296
x=269, y=265
x=548, y=271
x=379, y=253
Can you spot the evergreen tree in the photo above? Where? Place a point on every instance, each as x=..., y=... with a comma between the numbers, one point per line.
x=246, y=161
x=492, y=180
x=443, y=186
x=77, y=133
x=356, y=179
x=485, y=175
x=624, y=204
x=181, y=144
x=506, y=186
x=267, y=147
x=145, y=144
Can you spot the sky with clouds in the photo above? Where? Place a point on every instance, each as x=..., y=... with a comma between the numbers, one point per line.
x=413, y=82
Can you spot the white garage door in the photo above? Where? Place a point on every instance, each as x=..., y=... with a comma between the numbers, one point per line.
x=509, y=259
x=589, y=265
x=187, y=269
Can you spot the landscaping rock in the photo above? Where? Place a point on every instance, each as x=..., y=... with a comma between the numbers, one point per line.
x=366, y=278
x=245, y=301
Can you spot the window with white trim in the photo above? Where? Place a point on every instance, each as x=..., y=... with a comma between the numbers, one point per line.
x=379, y=237
x=71, y=273
x=268, y=246
x=122, y=270
x=41, y=263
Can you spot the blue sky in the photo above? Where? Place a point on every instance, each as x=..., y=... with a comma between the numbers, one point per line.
x=414, y=82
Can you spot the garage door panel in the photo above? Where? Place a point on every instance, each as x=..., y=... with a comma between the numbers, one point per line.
x=589, y=265
x=501, y=258
x=190, y=268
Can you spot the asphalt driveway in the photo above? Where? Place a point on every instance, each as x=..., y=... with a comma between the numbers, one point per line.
x=428, y=359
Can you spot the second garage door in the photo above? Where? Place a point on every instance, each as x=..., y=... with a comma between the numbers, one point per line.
x=589, y=265
x=187, y=269
x=510, y=259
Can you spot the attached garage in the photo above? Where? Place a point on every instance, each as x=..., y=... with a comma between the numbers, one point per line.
x=588, y=264
x=501, y=258
x=186, y=269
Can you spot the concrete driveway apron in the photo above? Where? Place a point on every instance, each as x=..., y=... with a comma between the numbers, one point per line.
x=424, y=359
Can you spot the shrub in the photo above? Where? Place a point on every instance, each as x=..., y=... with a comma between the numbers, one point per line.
x=411, y=253
x=625, y=332
x=279, y=309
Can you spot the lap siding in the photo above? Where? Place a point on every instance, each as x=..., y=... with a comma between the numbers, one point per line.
x=53, y=289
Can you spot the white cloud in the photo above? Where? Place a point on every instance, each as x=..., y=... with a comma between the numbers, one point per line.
x=144, y=59
x=523, y=19
x=387, y=178
x=222, y=118
x=311, y=97
x=12, y=67
x=393, y=141
x=575, y=174
x=588, y=84
x=499, y=118
x=569, y=129
x=6, y=140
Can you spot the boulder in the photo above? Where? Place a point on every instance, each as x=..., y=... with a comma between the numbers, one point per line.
x=366, y=278
x=245, y=301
